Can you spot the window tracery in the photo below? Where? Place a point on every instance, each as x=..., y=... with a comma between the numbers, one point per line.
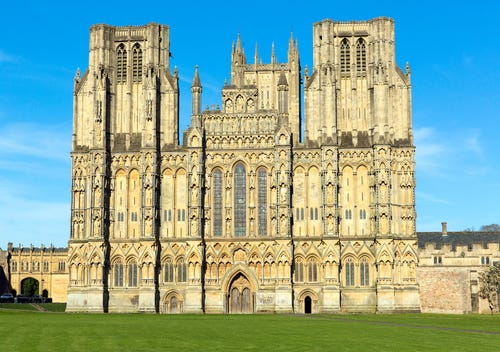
x=240, y=205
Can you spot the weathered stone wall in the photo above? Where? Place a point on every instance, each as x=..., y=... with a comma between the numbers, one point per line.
x=445, y=289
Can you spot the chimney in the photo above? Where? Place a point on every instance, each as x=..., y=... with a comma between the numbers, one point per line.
x=444, y=229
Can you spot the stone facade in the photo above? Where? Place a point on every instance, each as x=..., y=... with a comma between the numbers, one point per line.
x=449, y=268
x=245, y=215
x=47, y=265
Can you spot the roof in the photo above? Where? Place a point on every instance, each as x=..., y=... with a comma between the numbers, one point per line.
x=457, y=238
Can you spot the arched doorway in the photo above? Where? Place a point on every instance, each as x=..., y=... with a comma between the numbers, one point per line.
x=29, y=287
x=307, y=305
x=172, y=304
x=240, y=295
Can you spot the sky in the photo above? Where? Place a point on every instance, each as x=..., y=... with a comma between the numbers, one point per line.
x=452, y=48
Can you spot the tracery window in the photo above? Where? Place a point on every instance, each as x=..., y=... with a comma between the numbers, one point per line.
x=121, y=64
x=132, y=274
x=45, y=266
x=299, y=270
x=137, y=63
x=345, y=57
x=14, y=266
x=240, y=214
x=168, y=270
x=361, y=56
x=262, y=201
x=217, y=197
x=312, y=270
x=349, y=272
x=364, y=273
x=181, y=271
x=118, y=274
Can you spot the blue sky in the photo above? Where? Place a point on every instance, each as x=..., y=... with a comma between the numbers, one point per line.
x=453, y=51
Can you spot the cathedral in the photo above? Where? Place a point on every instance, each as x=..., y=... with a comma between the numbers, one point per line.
x=248, y=214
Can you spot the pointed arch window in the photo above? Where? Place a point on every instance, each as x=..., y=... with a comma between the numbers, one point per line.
x=364, y=273
x=121, y=64
x=181, y=271
x=132, y=274
x=137, y=63
x=217, y=206
x=168, y=270
x=345, y=56
x=299, y=270
x=312, y=270
x=360, y=56
x=240, y=206
x=118, y=274
x=262, y=201
x=349, y=273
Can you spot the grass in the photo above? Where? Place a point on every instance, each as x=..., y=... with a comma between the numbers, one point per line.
x=35, y=331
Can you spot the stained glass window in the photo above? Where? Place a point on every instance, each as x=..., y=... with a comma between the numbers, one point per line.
x=137, y=63
x=262, y=202
x=240, y=213
x=217, y=196
x=345, y=57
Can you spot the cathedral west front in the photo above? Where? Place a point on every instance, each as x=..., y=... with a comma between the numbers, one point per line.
x=248, y=214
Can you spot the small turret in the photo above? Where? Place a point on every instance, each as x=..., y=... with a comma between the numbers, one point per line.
x=196, y=90
x=238, y=62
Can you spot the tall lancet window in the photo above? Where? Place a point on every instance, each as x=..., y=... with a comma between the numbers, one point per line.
x=361, y=56
x=345, y=56
x=137, y=63
x=217, y=197
x=240, y=201
x=121, y=64
x=262, y=201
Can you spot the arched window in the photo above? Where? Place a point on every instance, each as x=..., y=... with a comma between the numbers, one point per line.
x=121, y=64
x=312, y=270
x=132, y=274
x=118, y=274
x=168, y=270
x=345, y=56
x=361, y=56
x=240, y=203
x=349, y=272
x=217, y=206
x=137, y=63
x=299, y=270
x=181, y=271
x=364, y=273
x=262, y=201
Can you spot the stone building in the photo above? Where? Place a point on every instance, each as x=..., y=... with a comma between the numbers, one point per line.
x=449, y=268
x=246, y=215
x=47, y=266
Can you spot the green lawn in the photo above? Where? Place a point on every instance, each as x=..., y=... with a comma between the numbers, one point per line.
x=36, y=331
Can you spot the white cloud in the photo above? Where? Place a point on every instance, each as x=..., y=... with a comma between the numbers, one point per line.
x=31, y=140
x=432, y=198
x=430, y=151
x=472, y=143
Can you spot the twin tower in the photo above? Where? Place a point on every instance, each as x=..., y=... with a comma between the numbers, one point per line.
x=247, y=215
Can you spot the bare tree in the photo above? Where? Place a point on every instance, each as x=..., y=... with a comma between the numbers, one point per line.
x=490, y=285
x=490, y=228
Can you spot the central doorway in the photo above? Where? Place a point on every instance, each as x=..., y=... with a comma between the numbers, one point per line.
x=307, y=305
x=240, y=296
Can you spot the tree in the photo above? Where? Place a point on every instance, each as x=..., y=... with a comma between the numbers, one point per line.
x=490, y=285
x=490, y=228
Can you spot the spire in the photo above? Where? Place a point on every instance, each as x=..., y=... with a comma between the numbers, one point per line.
x=238, y=44
x=256, y=57
x=273, y=56
x=196, y=79
x=196, y=90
